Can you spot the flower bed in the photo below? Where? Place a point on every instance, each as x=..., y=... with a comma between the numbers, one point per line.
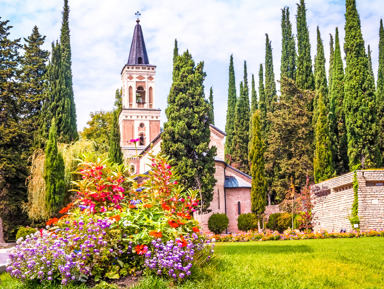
x=116, y=227
x=291, y=235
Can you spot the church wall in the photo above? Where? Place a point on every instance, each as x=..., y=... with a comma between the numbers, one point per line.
x=333, y=201
x=234, y=196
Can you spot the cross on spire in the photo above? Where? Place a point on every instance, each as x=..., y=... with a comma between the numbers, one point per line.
x=138, y=16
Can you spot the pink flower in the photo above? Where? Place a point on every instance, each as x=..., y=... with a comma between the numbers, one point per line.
x=135, y=140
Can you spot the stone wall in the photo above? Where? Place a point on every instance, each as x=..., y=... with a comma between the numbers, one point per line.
x=333, y=201
x=236, y=196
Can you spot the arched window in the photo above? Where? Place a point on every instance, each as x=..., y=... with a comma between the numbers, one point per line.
x=142, y=139
x=140, y=60
x=130, y=100
x=238, y=208
x=150, y=97
x=140, y=95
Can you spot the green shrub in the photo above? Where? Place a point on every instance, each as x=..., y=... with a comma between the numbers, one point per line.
x=279, y=222
x=23, y=232
x=218, y=223
x=246, y=222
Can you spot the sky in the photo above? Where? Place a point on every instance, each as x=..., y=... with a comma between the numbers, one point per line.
x=212, y=30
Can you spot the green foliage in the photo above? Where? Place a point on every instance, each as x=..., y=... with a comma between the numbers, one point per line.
x=380, y=90
x=99, y=127
x=217, y=223
x=254, y=104
x=175, y=56
x=186, y=134
x=211, y=111
x=115, y=154
x=231, y=109
x=246, y=222
x=289, y=153
x=288, y=50
x=336, y=117
x=270, y=84
x=331, y=60
x=323, y=162
x=279, y=222
x=54, y=173
x=262, y=103
x=304, y=75
x=359, y=101
x=354, y=217
x=22, y=232
x=14, y=143
x=256, y=160
x=240, y=140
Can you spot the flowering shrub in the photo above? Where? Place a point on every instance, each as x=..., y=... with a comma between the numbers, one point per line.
x=117, y=226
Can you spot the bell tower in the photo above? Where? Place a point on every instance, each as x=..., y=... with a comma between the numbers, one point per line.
x=139, y=119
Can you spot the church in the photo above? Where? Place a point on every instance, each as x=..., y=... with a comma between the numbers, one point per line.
x=140, y=119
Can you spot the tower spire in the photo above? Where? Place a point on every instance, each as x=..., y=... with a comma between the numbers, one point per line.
x=138, y=53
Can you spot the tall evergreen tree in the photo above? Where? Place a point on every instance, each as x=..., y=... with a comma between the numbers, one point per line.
x=186, y=134
x=241, y=128
x=254, y=104
x=231, y=108
x=13, y=157
x=359, y=102
x=256, y=161
x=336, y=118
x=70, y=133
x=54, y=172
x=262, y=103
x=288, y=51
x=304, y=74
x=115, y=155
x=322, y=163
x=370, y=69
x=380, y=90
x=330, y=69
x=33, y=69
x=211, y=111
x=270, y=84
x=175, y=55
x=320, y=78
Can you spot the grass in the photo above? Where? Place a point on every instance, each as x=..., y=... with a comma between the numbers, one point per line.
x=328, y=263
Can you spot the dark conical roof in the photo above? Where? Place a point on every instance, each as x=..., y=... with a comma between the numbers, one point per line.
x=138, y=54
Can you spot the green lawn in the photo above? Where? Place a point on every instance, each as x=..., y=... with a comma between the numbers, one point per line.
x=328, y=263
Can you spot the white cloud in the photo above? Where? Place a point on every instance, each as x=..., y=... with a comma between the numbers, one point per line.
x=212, y=30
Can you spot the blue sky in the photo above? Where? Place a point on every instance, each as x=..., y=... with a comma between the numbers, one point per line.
x=212, y=30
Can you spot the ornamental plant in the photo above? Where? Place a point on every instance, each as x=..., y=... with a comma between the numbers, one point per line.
x=218, y=223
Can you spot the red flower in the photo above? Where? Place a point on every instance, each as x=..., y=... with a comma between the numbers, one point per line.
x=52, y=221
x=165, y=207
x=181, y=222
x=182, y=242
x=195, y=229
x=64, y=210
x=173, y=224
x=116, y=218
x=156, y=234
x=148, y=206
x=141, y=249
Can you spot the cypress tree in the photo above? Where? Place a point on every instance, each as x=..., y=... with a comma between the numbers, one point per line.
x=254, y=104
x=322, y=163
x=186, y=135
x=54, y=172
x=359, y=102
x=288, y=51
x=380, y=89
x=256, y=160
x=211, y=111
x=33, y=69
x=246, y=87
x=262, y=103
x=175, y=55
x=13, y=157
x=330, y=69
x=69, y=133
x=370, y=69
x=115, y=155
x=304, y=74
x=231, y=107
x=270, y=84
x=320, y=78
x=336, y=119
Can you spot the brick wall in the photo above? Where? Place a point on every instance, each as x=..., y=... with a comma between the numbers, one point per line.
x=333, y=201
x=234, y=196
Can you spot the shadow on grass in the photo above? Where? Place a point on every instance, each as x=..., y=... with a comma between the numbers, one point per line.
x=257, y=249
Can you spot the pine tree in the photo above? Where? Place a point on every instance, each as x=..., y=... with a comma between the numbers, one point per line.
x=270, y=84
x=256, y=160
x=211, y=111
x=304, y=75
x=33, y=69
x=54, y=172
x=380, y=90
x=69, y=133
x=262, y=103
x=231, y=107
x=336, y=118
x=359, y=102
x=115, y=155
x=186, y=135
x=13, y=157
x=320, y=78
x=322, y=163
x=254, y=104
x=330, y=69
x=288, y=51
x=241, y=128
